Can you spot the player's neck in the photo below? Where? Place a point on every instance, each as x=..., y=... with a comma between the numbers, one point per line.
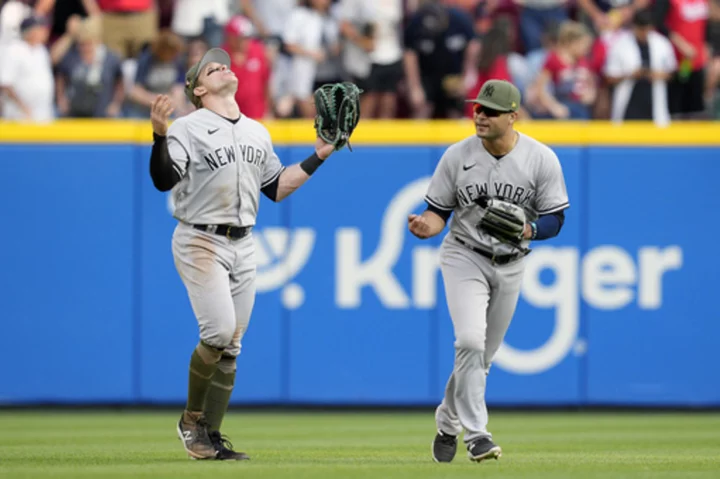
x=223, y=106
x=503, y=145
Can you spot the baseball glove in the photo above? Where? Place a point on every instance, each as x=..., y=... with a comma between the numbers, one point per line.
x=337, y=108
x=503, y=220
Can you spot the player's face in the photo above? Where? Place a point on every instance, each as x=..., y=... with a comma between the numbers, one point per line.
x=216, y=78
x=491, y=124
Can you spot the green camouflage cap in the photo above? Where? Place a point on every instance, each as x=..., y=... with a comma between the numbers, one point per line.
x=214, y=55
x=499, y=95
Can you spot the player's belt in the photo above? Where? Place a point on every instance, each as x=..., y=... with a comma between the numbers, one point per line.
x=230, y=232
x=495, y=258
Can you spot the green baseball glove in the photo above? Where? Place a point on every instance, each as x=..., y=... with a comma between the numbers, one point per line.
x=337, y=108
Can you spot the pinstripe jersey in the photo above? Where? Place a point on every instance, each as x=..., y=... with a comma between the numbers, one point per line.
x=529, y=176
x=222, y=166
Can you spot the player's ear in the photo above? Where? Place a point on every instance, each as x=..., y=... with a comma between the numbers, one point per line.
x=199, y=91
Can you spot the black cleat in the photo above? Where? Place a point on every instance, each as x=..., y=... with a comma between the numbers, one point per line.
x=444, y=447
x=483, y=449
x=192, y=431
x=223, y=446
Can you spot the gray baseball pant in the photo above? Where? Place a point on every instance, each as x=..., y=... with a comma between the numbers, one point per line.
x=481, y=299
x=219, y=276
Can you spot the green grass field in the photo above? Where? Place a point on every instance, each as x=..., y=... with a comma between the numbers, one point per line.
x=71, y=444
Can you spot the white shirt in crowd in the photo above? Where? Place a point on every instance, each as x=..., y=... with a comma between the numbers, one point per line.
x=274, y=14
x=189, y=15
x=386, y=15
x=624, y=59
x=28, y=71
x=306, y=28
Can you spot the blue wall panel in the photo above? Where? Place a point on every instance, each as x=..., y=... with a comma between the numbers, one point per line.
x=653, y=277
x=359, y=323
x=66, y=281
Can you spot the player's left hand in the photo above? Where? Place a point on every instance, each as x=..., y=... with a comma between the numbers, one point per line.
x=323, y=149
x=527, y=232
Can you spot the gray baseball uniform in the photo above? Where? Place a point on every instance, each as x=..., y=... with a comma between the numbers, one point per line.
x=482, y=294
x=222, y=166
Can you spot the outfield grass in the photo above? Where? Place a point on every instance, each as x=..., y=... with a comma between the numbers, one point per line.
x=360, y=445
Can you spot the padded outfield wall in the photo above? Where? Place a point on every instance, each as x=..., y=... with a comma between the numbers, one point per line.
x=618, y=310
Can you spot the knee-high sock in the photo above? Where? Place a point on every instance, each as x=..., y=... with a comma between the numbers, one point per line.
x=203, y=364
x=219, y=392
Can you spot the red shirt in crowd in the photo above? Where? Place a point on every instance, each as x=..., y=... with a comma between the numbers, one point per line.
x=688, y=18
x=570, y=81
x=498, y=71
x=125, y=5
x=253, y=80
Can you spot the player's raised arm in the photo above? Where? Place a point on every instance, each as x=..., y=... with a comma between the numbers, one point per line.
x=332, y=135
x=162, y=170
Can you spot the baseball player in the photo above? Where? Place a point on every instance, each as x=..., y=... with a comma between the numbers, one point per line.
x=505, y=189
x=216, y=161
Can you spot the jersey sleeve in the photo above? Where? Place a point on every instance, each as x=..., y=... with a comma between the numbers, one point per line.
x=551, y=195
x=441, y=192
x=272, y=168
x=178, y=144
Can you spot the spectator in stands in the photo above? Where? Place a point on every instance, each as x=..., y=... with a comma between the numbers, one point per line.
x=536, y=16
x=639, y=65
x=498, y=61
x=356, y=28
x=65, y=42
x=26, y=79
x=128, y=25
x=89, y=80
x=160, y=71
x=568, y=70
x=269, y=17
x=251, y=67
x=65, y=9
x=206, y=18
x=13, y=12
x=373, y=52
x=535, y=60
x=441, y=49
x=330, y=70
x=684, y=22
x=311, y=37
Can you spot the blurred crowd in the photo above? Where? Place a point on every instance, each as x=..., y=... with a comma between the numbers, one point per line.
x=623, y=60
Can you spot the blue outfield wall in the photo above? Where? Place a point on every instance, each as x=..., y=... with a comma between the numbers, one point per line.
x=617, y=310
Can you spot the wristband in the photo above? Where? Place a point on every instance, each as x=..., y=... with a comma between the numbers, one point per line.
x=533, y=227
x=311, y=163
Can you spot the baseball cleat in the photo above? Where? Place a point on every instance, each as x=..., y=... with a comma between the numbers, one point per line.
x=444, y=447
x=195, y=439
x=483, y=449
x=224, y=448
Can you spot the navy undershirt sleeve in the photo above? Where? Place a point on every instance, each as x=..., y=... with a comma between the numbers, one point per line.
x=549, y=225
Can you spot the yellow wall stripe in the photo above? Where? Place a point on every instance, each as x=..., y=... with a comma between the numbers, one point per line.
x=395, y=132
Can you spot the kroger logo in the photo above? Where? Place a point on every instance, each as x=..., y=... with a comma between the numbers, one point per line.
x=606, y=277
